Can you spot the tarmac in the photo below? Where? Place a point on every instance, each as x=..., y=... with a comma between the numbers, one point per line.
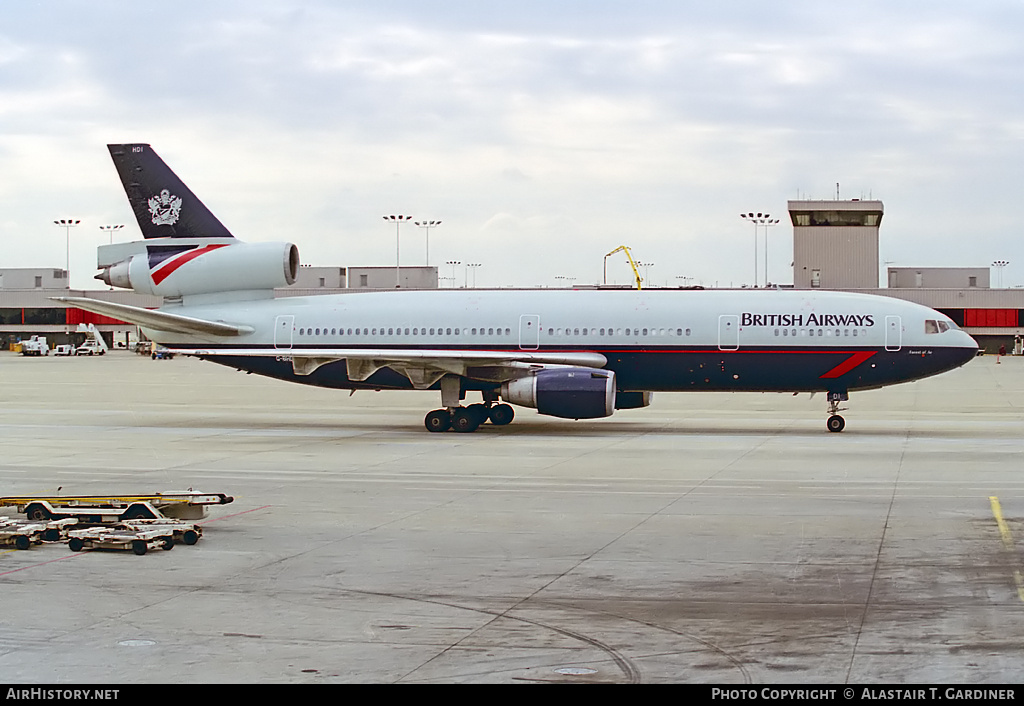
x=709, y=538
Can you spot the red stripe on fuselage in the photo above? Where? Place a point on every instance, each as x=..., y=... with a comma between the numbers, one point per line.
x=167, y=267
x=849, y=364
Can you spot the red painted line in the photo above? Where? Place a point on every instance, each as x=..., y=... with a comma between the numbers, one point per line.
x=243, y=512
x=167, y=267
x=42, y=563
x=849, y=364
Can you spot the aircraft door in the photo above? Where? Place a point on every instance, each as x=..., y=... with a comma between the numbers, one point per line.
x=728, y=332
x=284, y=328
x=529, y=332
x=893, y=333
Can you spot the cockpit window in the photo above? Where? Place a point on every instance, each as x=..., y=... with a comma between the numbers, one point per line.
x=943, y=327
x=931, y=326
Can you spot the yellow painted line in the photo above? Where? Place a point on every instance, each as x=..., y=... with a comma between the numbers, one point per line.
x=1004, y=532
x=997, y=511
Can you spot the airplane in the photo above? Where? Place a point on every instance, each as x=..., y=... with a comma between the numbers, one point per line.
x=573, y=354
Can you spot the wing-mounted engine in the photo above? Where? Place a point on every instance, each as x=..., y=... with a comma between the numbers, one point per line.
x=180, y=267
x=570, y=393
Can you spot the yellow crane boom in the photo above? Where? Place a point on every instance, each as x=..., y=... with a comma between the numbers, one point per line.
x=632, y=263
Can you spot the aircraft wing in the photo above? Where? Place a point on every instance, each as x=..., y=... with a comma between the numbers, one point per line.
x=156, y=319
x=423, y=367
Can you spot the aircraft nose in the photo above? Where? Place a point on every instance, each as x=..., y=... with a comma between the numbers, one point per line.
x=969, y=348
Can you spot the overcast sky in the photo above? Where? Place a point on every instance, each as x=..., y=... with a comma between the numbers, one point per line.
x=542, y=134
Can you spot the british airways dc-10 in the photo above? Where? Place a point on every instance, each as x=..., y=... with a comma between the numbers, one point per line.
x=576, y=354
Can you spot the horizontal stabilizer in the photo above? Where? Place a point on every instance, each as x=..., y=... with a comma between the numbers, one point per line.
x=156, y=319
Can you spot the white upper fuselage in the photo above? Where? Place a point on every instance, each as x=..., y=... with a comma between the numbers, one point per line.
x=583, y=319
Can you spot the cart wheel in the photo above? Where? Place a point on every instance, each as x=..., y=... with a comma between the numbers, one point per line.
x=52, y=535
x=136, y=511
x=168, y=545
x=37, y=513
x=190, y=537
x=139, y=547
x=75, y=544
x=22, y=542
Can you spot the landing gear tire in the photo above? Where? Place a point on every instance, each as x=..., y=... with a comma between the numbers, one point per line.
x=465, y=420
x=437, y=421
x=835, y=423
x=501, y=414
x=480, y=410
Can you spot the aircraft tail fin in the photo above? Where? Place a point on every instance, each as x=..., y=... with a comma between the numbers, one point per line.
x=163, y=205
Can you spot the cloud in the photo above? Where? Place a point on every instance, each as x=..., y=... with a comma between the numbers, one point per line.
x=543, y=135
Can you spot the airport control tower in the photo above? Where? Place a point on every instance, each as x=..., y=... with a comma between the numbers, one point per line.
x=835, y=244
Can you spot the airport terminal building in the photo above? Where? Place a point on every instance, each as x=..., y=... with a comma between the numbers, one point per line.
x=835, y=246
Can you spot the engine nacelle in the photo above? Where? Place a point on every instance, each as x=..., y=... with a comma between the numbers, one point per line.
x=570, y=393
x=174, y=270
x=633, y=400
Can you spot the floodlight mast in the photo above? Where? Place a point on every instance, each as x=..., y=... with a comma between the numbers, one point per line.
x=398, y=224
x=67, y=224
x=427, y=225
x=760, y=219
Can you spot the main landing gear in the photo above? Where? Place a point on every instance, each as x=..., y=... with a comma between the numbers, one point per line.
x=468, y=419
x=835, y=422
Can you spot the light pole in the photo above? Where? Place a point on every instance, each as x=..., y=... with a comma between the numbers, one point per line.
x=67, y=224
x=110, y=230
x=568, y=280
x=453, y=263
x=999, y=265
x=398, y=224
x=759, y=219
x=647, y=267
x=474, y=265
x=427, y=225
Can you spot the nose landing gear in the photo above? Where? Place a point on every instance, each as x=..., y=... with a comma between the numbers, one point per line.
x=835, y=422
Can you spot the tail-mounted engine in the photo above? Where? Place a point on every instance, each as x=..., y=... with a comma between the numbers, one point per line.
x=570, y=393
x=175, y=269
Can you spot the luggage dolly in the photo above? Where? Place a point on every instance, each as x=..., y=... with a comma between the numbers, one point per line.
x=187, y=532
x=139, y=541
x=23, y=534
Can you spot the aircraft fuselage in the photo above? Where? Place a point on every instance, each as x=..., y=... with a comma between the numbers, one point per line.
x=654, y=340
